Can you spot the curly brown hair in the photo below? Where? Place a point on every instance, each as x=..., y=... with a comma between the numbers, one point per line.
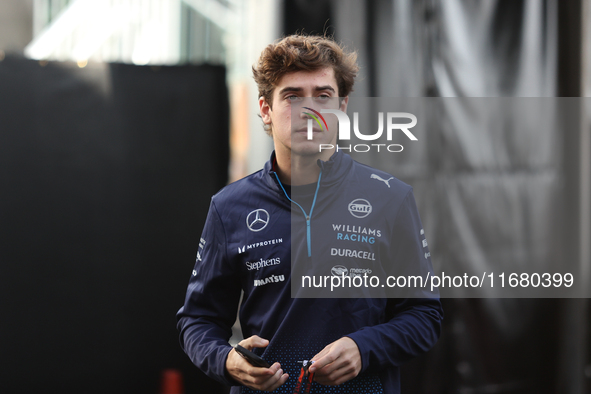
x=304, y=53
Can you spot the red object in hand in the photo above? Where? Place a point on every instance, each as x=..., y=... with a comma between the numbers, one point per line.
x=304, y=383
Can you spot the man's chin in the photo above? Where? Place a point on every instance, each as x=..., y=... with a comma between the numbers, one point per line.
x=306, y=149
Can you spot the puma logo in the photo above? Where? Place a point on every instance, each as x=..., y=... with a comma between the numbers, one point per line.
x=386, y=181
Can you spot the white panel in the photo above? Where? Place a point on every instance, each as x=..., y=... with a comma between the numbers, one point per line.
x=260, y=35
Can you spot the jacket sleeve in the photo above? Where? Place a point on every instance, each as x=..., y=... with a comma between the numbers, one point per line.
x=413, y=323
x=206, y=318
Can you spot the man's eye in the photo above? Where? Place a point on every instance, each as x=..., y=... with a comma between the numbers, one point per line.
x=292, y=98
x=324, y=99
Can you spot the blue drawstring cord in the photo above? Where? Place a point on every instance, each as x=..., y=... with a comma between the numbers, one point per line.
x=308, y=217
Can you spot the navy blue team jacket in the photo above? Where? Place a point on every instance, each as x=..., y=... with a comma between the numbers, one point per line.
x=247, y=245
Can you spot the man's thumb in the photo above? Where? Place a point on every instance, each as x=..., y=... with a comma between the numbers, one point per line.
x=254, y=341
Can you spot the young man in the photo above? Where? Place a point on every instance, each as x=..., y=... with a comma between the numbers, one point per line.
x=357, y=344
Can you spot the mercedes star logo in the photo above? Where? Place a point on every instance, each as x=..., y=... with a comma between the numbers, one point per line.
x=257, y=220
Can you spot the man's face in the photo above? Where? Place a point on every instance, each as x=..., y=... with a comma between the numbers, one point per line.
x=311, y=89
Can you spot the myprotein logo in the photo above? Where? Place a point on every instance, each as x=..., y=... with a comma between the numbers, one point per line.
x=259, y=244
x=360, y=208
x=345, y=130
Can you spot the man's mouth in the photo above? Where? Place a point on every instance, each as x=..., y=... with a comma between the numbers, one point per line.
x=305, y=130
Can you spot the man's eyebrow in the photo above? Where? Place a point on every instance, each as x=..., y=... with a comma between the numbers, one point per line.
x=290, y=89
x=317, y=88
x=326, y=87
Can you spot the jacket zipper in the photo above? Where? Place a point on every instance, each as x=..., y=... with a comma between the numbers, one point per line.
x=308, y=217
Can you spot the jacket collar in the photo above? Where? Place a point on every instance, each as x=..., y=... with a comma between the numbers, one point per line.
x=334, y=170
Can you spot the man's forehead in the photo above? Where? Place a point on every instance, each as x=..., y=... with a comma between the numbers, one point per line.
x=304, y=79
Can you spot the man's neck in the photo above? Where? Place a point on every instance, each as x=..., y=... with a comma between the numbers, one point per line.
x=299, y=170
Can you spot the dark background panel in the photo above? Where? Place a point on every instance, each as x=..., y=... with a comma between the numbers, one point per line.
x=308, y=17
x=105, y=177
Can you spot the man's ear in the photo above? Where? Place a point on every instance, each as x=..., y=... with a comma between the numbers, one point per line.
x=344, y=103
x=265, y=110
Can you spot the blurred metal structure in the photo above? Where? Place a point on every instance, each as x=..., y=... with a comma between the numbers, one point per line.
x=15, y=25
x=573, y=79
x=157, y=32
x=169, y=32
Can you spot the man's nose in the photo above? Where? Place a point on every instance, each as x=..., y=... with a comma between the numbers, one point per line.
x=305, y=114
x=308, y=105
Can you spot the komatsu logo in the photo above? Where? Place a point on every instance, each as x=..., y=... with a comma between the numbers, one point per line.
x=270, y=279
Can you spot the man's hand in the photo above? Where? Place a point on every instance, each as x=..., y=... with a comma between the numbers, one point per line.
x=265, y=379
x=337, y=363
